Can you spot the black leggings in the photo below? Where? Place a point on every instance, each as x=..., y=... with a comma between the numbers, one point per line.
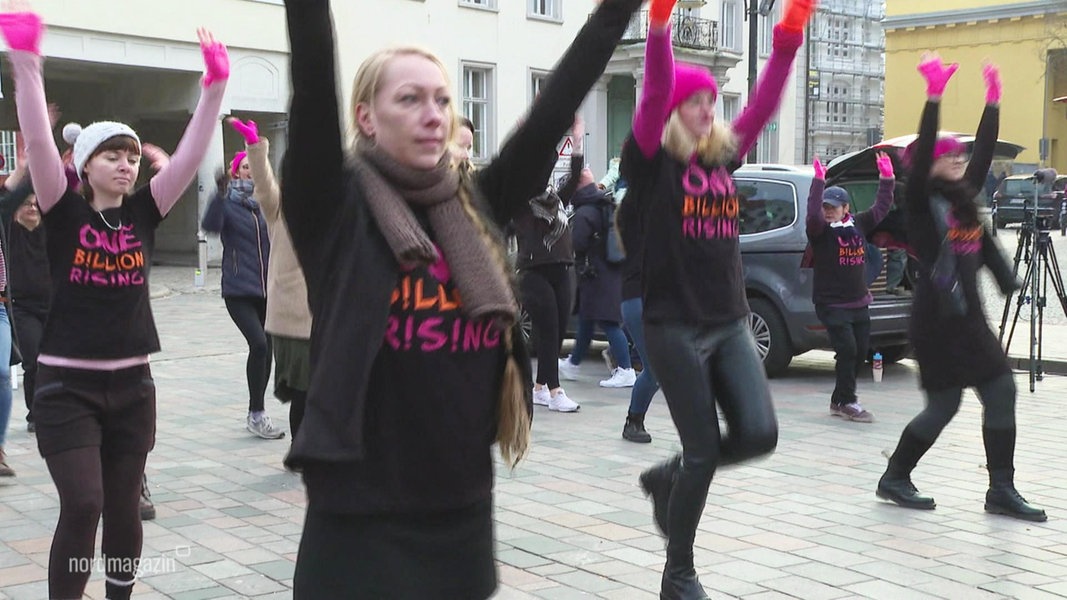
x=547, y=295
x=91, y=483
x=29, y=326
x=250, y=314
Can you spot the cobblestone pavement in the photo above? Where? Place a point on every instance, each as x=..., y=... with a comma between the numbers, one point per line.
x=571, y=520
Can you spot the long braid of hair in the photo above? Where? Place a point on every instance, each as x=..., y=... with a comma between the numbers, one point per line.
x=513, y=420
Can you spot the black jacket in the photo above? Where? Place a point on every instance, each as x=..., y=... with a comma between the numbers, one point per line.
x=350, y=270
x=599, y=297
x=530, y=230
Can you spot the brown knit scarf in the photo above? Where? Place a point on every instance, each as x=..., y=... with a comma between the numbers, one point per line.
x=392, y=190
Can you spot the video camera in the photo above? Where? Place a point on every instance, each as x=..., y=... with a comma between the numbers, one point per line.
x=1035, y=216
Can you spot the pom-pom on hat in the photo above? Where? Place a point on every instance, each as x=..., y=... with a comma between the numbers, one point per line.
x=235, y=166
x=689, y=79
x=835, y=195
x=87, y=140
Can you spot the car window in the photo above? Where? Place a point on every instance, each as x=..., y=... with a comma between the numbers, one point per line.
x=1060, y=184
x=1017, y=187
x=861, y=194
x=765, y=205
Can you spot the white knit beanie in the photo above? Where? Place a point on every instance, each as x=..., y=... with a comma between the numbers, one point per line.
x=87, y=140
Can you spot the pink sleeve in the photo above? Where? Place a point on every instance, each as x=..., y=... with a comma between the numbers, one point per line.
x=767, y=94
x=656, y=92
x=46, y=166
x=171, y=181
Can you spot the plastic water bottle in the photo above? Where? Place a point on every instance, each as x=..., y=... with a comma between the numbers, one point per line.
x=877, y=366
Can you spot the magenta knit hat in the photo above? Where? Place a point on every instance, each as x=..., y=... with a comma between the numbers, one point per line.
x=943, y=145
x=236, y=164
x=689, y=79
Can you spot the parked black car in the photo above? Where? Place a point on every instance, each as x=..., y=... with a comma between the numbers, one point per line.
x=1015, y=194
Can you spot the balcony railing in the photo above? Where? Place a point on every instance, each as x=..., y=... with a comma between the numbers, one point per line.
x=686, y=32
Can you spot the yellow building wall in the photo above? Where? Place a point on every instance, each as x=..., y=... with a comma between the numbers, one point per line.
x=1017, y=46
x=895, y=8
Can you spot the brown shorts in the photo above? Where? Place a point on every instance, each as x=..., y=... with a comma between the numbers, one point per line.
x=113, y=410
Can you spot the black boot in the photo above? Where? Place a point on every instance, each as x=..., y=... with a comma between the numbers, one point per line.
x=656, y=483
x=688, y=496
x=895, y=484
x=1002, y=497
x=634, y=429
x=115, y=589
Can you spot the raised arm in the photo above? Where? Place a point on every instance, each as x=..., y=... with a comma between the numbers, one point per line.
x=883, y=199
x=264, y=186
x=767, y=93
x=512, y=178
x=921, y=151
x=815, y=224
x=312, y=169
x=985, y=139
x=22, y=31
x=658, y=84
x=169, y=183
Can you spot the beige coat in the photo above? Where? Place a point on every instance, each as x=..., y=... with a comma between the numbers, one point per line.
x=288, y=314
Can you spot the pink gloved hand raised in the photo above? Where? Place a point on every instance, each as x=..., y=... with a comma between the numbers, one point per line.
x=885, y=165
x=936, y=73
x=22, y=30
x=248, y=130
x=796, y=14
x=216, y=58
x=659, y=12
x=993, y=87
x=820, y=170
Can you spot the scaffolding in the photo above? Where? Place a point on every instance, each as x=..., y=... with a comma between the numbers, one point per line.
x=845, y=84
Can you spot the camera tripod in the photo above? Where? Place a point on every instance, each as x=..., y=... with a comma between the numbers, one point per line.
x=1036, y=249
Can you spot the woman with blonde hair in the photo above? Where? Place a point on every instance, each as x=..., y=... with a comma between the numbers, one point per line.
x=679, y=163
x=416, y=367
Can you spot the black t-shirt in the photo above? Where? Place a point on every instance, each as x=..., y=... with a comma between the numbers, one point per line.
x=691, y=262
x=28, y=280
x=431, y=409
x=840, y=253
x=99, y=264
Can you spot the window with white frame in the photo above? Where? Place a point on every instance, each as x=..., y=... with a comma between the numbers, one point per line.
x=730, y=27
x=838, y=109
x=478, y=3
x=767, y=146
x=548, y=9
x=731, y=106
x=837, y=34
x=478, y=106
x=9, y=151
x=537, y=82
x=766, y=31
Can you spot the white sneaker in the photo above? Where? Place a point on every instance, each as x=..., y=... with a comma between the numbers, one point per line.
x=263, y=427
x=560, y=402
x=620, y=378
x=541, y=396
x=567, y=369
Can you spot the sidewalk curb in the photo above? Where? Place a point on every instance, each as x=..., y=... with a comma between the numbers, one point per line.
x=1050, y=366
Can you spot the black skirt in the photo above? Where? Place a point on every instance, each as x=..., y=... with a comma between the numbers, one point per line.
x=446, y=555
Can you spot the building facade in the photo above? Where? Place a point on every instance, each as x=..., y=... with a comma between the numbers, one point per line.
x=1026, y=39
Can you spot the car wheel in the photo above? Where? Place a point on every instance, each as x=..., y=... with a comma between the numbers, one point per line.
x=772, y=338
x=893, y=354
x=526, y=327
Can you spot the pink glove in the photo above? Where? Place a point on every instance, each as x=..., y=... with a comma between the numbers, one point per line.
x=993, y=87
x=796, y=14
x=659, y=12
x=936, y=74
x=216, y=59
x=22, y=31
x=249, y=130
x=820, y=171
x=885, y=165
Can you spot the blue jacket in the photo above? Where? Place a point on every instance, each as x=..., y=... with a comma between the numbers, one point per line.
x=238, y=220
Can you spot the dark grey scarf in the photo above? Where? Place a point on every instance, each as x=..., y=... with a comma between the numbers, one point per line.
x=549, y=208
x=392, y=189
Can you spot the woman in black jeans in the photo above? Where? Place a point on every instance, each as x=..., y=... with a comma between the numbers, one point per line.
x=954, y=346
x=238, y=219
x=545, y=262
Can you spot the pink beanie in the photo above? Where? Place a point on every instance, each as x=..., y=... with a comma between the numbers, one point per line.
x=943, y=145
x=235, y=166
x=689, y=79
